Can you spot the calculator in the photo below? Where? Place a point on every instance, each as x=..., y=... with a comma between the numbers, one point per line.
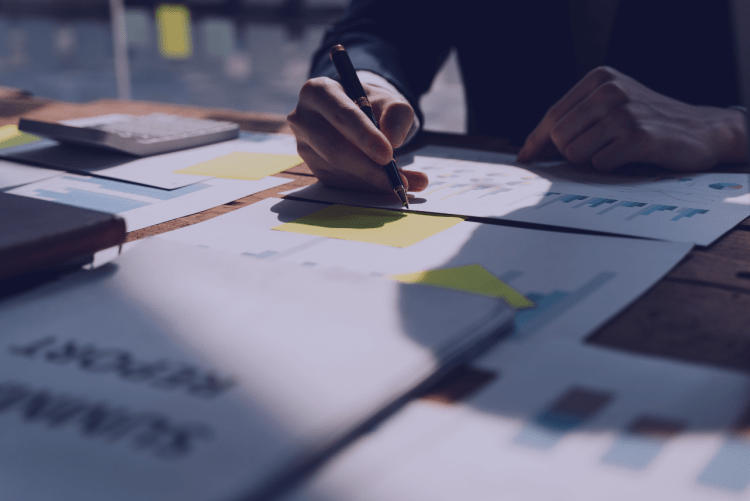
x=138, y=135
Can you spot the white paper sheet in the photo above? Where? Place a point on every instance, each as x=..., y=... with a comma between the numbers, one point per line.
x=577, y=281
x=157, y=170
x=696, y=207
x=665, y=431
x=143, y=206
x=13, y=174
x=187, y=374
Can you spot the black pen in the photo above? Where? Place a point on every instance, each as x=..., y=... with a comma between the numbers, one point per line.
x=354, y=90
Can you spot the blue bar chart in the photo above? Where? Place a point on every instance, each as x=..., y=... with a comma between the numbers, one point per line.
x=108, y=195
x=641, y=442
x=729, y=469
x=551, y=305
x=567, y=413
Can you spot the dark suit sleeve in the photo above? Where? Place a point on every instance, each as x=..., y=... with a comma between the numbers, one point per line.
x=404, y=41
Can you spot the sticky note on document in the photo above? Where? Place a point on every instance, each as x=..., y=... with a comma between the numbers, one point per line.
x=377, y=226
x=244, y=165
x=11, y=136
x=473, y=278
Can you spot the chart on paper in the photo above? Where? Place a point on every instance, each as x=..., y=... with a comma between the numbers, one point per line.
x=575, y=282
x=142, y=206
x=697, y=208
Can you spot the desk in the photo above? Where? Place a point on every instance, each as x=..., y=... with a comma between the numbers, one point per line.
x=699, y=312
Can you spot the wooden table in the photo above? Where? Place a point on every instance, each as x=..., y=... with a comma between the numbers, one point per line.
x=699, y=312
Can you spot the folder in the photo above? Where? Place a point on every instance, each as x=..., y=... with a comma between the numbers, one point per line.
x=37, y=234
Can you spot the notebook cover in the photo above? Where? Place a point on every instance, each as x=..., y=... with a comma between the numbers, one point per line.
x=36, y=234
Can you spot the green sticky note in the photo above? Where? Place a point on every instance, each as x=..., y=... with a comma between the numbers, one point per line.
x=377, y=226
x=10, y=136
x=473, y=278
x=173, y=26
x=243, y=165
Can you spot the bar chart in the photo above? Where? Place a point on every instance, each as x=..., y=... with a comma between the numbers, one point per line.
x=641, y=442
x=105, y=195
x=567, y=413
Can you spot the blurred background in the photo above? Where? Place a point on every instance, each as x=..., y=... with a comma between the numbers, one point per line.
x=249, y=55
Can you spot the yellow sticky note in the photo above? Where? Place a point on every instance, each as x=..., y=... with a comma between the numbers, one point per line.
x=376, y=226
x=473, y=278
x=243, y=165
x=173, y=25
x=11, y=136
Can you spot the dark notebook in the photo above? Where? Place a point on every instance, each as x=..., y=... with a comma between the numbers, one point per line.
x=37, y=234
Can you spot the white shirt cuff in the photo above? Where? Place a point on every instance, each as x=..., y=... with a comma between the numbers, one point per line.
x=368, y=77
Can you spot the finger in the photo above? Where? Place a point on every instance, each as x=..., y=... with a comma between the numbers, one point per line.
x=396, y=118
x=590, y=112
x=416, y=181
x=540, y=136
x=328, y=98
x=581, y=149
x=334, y=156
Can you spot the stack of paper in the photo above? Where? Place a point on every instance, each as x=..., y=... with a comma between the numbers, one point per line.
x=145, y=191
x=696, y=208
x=189, y=374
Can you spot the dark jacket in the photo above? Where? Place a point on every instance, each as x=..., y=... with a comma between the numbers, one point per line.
x=517, y=58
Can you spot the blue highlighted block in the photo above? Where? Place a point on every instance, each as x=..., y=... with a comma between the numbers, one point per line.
x=573, y=198
x=596, y=202
x=92, y=200
x=651, y=209
x=136, y=189
x=642, y=441
x=657, y=208
x=721, y=186
x=547, y=429
x=633, y=451
x=568, y=412
x=730, y=468
x=689, y=213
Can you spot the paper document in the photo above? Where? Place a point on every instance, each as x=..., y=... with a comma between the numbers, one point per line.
x=576, y=282
x=143, y=206
x=244, y=165
x=472, y=278
x=695, y=207
x=157, y=170
x=377, y=226
x=180, y=373
x=563, y=420
x=13, y=174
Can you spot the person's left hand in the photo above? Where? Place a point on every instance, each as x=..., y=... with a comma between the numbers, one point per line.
x=608, y=120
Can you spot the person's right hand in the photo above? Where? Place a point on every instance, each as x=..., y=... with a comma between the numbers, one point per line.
x=340, y=144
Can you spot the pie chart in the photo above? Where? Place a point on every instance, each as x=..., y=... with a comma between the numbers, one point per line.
x=721, y=186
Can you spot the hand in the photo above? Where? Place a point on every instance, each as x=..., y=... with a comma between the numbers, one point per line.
x=608, y=120
x=340, y=144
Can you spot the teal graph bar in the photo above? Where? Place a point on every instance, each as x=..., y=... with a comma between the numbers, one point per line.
x=650, y=210
x=641, y=442
x=687, y=212
x=568, y=412
x=549, y=306
x=730, y=469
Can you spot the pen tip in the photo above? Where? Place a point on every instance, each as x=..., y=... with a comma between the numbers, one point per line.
x=401, y=192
